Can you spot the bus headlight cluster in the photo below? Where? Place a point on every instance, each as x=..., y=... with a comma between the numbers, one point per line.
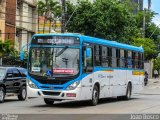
x=31, y=84
x=73, y=85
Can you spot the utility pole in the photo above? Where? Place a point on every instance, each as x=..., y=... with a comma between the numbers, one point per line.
x=63, y=16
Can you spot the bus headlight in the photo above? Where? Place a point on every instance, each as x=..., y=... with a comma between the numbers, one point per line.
x=31, y=84
x=73, y=85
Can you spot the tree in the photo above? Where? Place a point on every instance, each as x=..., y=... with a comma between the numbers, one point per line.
x=50, y=9
x=150, y=49
x=109, y=19
x=156, y=65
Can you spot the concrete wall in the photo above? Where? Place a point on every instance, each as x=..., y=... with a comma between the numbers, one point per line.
x=148, y=66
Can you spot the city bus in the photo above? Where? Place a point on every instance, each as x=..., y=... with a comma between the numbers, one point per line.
x=78, y=67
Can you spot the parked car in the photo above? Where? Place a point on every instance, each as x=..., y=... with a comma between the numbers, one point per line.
x=12, y=80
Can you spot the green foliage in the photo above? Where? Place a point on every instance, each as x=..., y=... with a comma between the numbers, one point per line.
x=156, y=65
x=150, y=49
x=48, y=7
x=6, y=47
x=109, y=19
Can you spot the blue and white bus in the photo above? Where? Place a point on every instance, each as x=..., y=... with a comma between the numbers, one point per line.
x=78, y=67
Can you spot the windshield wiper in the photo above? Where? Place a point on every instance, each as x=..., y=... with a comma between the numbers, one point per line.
x=60, y=52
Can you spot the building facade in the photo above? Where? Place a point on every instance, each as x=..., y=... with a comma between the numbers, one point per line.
x=26, y=20
x=10, y=19
x=2, y=19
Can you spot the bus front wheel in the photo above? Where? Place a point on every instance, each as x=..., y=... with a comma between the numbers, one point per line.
x=48, y=101
x=95, y=96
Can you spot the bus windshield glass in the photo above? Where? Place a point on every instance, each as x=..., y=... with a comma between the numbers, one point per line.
x=54, y=62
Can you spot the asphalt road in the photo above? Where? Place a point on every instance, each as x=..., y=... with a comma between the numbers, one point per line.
x=148, y=101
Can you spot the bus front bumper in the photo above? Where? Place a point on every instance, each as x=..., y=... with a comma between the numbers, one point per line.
x=55, y=94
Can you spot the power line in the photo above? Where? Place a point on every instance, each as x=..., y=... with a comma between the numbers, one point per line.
x=21, y=21
x=18, y=15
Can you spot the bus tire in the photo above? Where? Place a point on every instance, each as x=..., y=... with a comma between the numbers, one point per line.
x=128, y=92
x=95, y=96
x=48, y=101
x=22, y=93
x=2, y=94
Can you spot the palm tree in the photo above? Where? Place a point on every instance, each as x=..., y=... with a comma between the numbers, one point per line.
x=49, y=9
x=149, y=4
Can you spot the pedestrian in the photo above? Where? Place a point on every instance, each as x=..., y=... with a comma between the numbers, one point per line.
x=155, y=74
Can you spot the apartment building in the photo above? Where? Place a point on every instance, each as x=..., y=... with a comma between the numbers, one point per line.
x=26, y=22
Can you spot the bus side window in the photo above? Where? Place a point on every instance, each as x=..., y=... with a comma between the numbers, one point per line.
x=114, y=61
x=122, y=60
x=97, y=55
x=126, y=58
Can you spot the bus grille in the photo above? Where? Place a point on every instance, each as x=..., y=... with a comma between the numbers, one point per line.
x=51, y=93
x=58, y=82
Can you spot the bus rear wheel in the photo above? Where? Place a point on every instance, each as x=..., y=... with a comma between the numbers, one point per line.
x=48, y=101
x=95, y=96
x=128, y=92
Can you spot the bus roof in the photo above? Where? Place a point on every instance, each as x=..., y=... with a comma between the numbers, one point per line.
x=98, y=41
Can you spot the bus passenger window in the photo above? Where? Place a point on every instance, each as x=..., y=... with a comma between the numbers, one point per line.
x=97, y=55
x=122, y=60
x=109, y=57
x=114, y=61
x=126, y=58
x=129, y=59
x=104, y=57
x=118, y=57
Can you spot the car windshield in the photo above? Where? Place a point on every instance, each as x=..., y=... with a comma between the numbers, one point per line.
x=2, y=72
x=54, y=62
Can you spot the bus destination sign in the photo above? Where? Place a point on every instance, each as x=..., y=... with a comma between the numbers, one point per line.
x=55, y=40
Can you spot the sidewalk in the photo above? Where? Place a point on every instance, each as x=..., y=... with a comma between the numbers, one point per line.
x=152, y=88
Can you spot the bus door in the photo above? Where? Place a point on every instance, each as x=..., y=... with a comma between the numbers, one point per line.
x=88, y=77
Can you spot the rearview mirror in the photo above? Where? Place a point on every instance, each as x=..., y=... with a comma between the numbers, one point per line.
x=22, y=55
x=88, y=52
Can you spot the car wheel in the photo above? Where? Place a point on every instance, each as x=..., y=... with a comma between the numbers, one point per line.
x=95, y=96
x=22, y=93
x=48, y=101
x=2, y=94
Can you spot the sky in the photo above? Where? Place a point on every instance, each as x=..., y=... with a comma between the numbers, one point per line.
x=155, y=6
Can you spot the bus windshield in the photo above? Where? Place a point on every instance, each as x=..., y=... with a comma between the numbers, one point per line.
x=54, y=62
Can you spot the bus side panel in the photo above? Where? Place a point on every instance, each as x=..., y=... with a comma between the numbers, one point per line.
x=102, y=78
x=135, y=80
x=86, y=86
x=120, y=77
